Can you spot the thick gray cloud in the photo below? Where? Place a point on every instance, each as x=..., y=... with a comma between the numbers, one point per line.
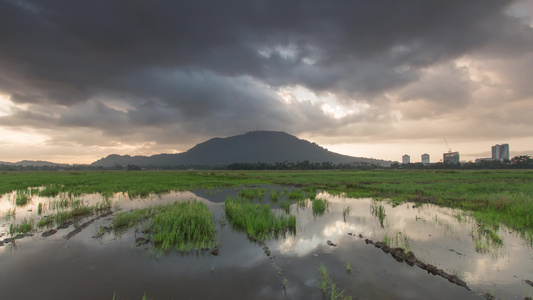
x=159, y=70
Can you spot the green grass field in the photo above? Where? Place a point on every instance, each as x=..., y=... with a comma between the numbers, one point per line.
x=494, y=196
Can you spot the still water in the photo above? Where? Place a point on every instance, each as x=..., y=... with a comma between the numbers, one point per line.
x=85, y=267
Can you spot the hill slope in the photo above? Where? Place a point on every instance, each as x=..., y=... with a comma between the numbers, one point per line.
x=252, y=147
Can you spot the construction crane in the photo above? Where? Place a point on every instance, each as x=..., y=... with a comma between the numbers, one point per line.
x=447, y=146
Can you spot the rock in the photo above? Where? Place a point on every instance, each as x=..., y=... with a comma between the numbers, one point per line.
x=331, y=243
x=410, y=258
x=382, y=246
x=65, y=225
x=349, y=233
x=528, y=282
x=421, y=265
x=215, y=251
x=369, y=241
x=398, y=254
x=360, y=236
x=458, y=281
x=431, y=269
x=49, y=233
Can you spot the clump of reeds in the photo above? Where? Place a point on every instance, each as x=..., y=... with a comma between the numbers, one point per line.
x=345, y=212
x=257, y=220
x=310, y=191
x=183, y=226
x=319, y=206
x=397, y=239
x=379, y=211
x=24, y=227
x=22, y=198
x=255, y=193
x=274, y=195
x=296, y=195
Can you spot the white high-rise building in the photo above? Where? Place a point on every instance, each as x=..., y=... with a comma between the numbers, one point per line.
x=406, y=159
x=500, y=152
x=425, y=159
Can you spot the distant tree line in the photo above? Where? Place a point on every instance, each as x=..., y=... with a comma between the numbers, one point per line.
x=517, y=162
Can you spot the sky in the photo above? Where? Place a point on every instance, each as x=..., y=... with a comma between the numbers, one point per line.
x=80, y=80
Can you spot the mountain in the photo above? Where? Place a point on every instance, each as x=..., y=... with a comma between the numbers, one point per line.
x=252, y=147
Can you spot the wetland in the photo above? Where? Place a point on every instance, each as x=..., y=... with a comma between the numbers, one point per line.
x=266, y=235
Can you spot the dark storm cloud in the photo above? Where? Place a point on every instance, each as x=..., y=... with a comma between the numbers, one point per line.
x=214, y=66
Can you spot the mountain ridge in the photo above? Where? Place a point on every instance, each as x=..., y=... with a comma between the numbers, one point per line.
x=251, y=147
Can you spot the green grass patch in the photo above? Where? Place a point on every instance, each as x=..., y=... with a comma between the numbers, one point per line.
x=257, y=220
x=319, y=206
x=183, y=226
x=296, y=195
x=497, y=196
x=255, y=193
x=22, y=198
x=24, y=227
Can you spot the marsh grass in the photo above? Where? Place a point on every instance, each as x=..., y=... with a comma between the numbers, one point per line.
x=497, y=196
x=125, y=220
x=257, y=220
x=24, y=227
x=75, y=210
x=255, y=193
x=10, y=213
x=296, y=195
x=310, y=192
x=319, y=206
x=274, y=195
x=183, y=226
x=328, y=287
x=22, y=198
x=345, y=212
x=286, y=205
x=378, y=211
x=397, y=239
x=486, y=238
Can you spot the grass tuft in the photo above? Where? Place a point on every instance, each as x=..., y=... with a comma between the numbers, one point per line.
x=257, y=220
